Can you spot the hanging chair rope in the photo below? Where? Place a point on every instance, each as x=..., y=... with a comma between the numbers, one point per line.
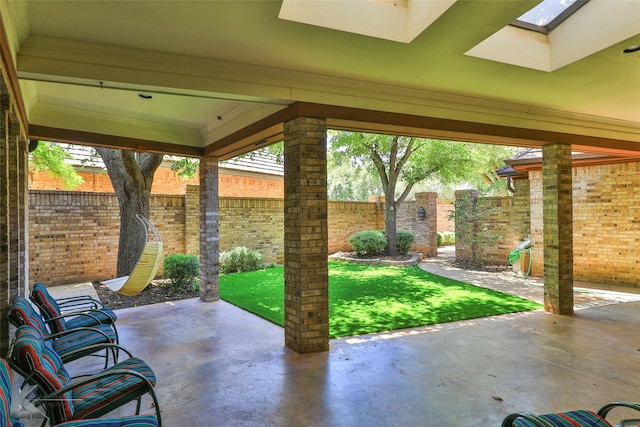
x=146, y=267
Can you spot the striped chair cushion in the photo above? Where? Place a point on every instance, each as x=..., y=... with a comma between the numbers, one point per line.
x=132, y=421
x=5, y=397
x=81, y=339
x=579, y=418
x=104, y=315
x=22, y=312
x=102, y=395
x=44, y=367
x=50, y=309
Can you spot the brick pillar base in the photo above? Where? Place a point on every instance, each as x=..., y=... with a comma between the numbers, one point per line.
x=306, y=236
x=558, y=228
x=209, y=233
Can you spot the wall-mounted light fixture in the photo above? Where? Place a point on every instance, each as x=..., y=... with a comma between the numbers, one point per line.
x=422, y=214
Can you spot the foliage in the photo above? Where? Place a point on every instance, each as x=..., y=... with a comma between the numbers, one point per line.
x=469, y=216
x=446, y=238
x=367, y=299
x=404, y=241
x=183, y=270
x=240, y=259
x=186, y=167
x=368, y=242
x=53, y=158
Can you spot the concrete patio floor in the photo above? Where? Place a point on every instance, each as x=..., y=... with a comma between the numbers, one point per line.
x=218, y=365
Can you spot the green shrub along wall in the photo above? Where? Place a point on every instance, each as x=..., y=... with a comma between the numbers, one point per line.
x=73, y=236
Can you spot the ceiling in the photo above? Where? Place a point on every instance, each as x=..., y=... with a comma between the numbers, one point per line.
x=224, y=75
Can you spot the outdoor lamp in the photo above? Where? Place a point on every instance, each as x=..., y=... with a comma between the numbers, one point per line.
x=422, y=214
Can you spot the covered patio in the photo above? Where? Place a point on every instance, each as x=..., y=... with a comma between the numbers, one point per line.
x=216, y=79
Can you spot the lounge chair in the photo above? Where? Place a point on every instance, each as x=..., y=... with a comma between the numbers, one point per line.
x=70, y=344
x=56, y=319
x=12, y=411
x=89, y=396
x=579, y=418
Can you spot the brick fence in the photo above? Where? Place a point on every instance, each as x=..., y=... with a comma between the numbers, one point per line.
x=606, y=214
x=73, y=236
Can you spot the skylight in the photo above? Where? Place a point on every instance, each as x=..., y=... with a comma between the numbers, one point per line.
x=548, y=14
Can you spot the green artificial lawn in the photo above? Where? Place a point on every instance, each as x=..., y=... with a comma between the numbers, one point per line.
x=365, y=299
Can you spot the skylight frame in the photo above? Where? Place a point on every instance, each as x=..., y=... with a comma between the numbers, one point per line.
x=547, y=28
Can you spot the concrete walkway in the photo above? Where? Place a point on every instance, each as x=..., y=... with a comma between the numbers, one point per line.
x=532, y=288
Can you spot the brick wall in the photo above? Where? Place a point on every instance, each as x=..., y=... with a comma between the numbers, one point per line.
x=166, y=181
x=606, y=214
x=73, y=236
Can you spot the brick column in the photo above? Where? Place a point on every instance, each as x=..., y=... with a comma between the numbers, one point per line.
x=192, y=220
x=305, y=236
x=209, y=232
x=558, y=228
x=427, y=229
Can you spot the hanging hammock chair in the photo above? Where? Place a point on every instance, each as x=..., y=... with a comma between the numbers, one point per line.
x=146, y=267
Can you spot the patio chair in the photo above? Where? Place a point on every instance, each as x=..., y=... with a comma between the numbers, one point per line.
x=88, y=396
x=57, y=319
x=13, y=410
x=70, y=344
x=145, y=269
x=579, y=418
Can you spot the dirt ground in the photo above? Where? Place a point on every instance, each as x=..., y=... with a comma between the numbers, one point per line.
x=158, y=291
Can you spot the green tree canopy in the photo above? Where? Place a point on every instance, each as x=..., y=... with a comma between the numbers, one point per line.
x=401, y=163
x=53, y=158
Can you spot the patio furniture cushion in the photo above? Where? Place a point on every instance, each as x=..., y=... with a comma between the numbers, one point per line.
x=81, y=339
x=580, y=418
x=50, y=309
x=132, y=421
x=5, y=397
x=37, y=361
x=21, y=312
x=102, y=395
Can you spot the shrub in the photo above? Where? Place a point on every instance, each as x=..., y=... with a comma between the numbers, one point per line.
x=182, y=270
x=446, y=238
x=240, y=259
x=368, y=242
x=404, y=241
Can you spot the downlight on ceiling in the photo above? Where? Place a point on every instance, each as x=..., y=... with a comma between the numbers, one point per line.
x=632, y=49
x=145, y=96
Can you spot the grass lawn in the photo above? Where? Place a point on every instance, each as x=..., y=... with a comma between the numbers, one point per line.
x=366, y=299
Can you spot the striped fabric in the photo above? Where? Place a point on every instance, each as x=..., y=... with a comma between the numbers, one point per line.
x=5, y=397
x=6, y=421
x=103, y=395
x=51, y=310
x=580, y=418
x=44, y=367
x=22, y=312
x=132, y=421
x=93, y=399
x=81, y=339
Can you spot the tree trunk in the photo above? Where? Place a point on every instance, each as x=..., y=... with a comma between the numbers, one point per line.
x=390, y=225
x=131, y=176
